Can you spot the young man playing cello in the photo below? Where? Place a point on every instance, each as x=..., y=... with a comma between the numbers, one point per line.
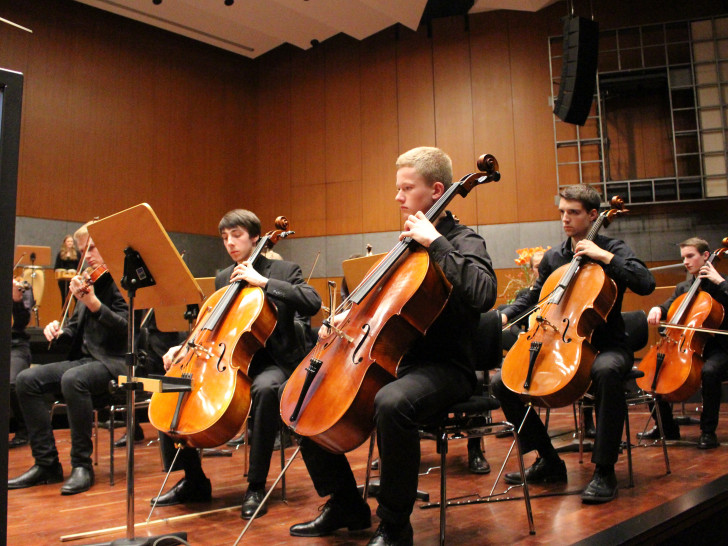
x=283, y=283
x=695, y=253
x=578, y=208
x=436, y=372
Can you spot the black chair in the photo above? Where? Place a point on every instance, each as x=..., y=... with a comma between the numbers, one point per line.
x=637, y=330
x=472, y=419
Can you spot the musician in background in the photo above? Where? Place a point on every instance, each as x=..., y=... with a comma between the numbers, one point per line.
x=66, y=259
x=435, y=373
x=23, y=302
x=98, y=332
x=695, y=253
x=579, y=208
x=284, y=284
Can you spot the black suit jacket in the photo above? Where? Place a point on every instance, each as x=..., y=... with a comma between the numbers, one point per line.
x=101, y=335
x=719, y=292
x=289, y=292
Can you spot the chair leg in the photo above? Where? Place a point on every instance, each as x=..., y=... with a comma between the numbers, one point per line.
x=96, y=437
x=662, y=436
x=581, y=431
x=112, y=419
x=282, y=439
x=442, y=440
x=526, y=494
x=368, y=474
x=629, y=446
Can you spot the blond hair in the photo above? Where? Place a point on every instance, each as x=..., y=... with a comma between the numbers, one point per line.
x=432, y=163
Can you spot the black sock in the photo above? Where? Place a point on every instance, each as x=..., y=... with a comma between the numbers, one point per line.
x=258, y=487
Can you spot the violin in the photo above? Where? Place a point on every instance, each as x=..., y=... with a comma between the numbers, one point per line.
x=91, y=275
x=234, y=323
x=557, y=348
x=673, y=366
x=330, y=395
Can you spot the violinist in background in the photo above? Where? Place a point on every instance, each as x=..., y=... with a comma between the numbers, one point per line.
x=23, y=302
x=579, y=208
x=695, y=253
x=98, y=332
x=284, y=284
x=436, y=372
x=66, y=259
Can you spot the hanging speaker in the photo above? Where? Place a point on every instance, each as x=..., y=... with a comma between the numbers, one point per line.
x=578, y=71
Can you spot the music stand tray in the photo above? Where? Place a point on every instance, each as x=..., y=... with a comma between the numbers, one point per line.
x=23, y=255
x=140, y=256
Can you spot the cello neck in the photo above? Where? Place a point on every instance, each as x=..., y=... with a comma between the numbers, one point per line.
x=489, y=173
x=690, y=295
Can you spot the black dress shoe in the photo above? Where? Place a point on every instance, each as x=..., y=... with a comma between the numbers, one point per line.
x=602, y=488
x=708, y=440
x=37, y=475
x=375, y=464
x=477, y=463
x=250, y=504
x=671, y=433
x=17, y=441
x=388, y=534
x=138, y=437
x=335, y=516
x=80, y=480
x=540, y=472
x=198, y=490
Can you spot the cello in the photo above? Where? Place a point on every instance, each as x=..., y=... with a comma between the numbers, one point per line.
x=673, y=366
x=233, y=324
x=557, y=348
x=331, y=399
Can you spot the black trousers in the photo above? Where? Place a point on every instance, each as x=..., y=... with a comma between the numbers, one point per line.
x=265, y=422
x=607, y=373
x=714, y=372
x=19, y=361
x=78, y=381
x=417, y=396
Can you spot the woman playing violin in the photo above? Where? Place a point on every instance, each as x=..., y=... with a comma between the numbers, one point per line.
x=97, y=331
x=436, y=372
x=578, y=208
x=284, y=285
x=695, y=253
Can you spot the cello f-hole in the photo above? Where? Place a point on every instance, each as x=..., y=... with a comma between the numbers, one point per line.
x=219, y=360
x=563, y=336
x=366, y=329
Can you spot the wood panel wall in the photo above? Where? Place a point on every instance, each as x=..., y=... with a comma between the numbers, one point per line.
x=116, y=113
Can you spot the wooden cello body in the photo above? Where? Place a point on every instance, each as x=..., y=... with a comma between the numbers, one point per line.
x=673, y=366
x=338, y=412
x=559, y=372
x=330, y=396
x=550, y=364
x=234, y=323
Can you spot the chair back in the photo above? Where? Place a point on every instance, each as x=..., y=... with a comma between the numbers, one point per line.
x=488, y=345
x=636, y=329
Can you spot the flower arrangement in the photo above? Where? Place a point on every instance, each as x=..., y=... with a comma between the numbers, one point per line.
x=525, y=276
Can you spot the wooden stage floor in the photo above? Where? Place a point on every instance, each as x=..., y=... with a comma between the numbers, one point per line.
x=40, y=515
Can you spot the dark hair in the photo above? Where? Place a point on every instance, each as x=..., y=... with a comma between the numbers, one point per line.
x=698, y=243
x=241, y=218
x=586, y=195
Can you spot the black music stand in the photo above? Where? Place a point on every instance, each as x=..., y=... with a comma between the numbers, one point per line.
x=140, y=255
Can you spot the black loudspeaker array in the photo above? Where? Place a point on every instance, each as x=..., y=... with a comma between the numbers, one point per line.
x=579, y=70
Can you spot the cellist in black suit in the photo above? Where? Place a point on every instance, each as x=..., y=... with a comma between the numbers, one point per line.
x=695, y=253
x=284, y=284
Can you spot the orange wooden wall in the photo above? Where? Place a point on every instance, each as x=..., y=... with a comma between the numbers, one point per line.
x=116, y=113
